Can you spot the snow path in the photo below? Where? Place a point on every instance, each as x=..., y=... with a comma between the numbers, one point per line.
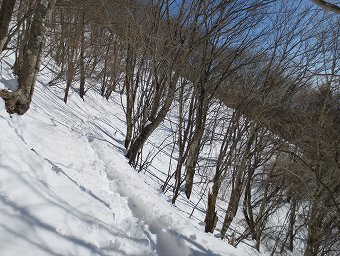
x=67, y=189
x=145, y=205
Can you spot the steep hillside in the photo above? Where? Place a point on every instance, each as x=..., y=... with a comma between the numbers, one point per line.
x=66, y=187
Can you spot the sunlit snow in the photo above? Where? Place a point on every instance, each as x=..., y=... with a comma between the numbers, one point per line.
x=67, y=189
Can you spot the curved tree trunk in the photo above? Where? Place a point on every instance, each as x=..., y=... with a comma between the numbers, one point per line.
x=146, y=131
x=20, y=100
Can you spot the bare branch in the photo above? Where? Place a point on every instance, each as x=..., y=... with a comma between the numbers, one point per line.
x=327, y=6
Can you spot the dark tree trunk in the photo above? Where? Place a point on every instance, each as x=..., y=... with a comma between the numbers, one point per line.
x=315, y=228
x=183, y=142
x=211, y=214
x=82, y=58
x=292, y=219
x=147, y=130
x=195, y=146
x=6, y=12
x=128, y=86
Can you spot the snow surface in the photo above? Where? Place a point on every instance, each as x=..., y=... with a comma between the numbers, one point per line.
x=67, y=189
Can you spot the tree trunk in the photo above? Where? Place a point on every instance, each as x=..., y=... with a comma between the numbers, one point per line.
x=292, y=219
x=224, y=160
x=70, y=69
x=82, y=58
x=201, y=116
x=184, y=134
x=20, y=100
x=105, y=72
x=23, y=36
x=211, y=214
x=147, y=130
x=128, y=83
x=233, y=203
x=315, y=226
x=238, y=183
x=6, y=12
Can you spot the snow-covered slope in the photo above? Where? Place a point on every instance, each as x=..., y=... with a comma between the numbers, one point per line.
x=66, y=187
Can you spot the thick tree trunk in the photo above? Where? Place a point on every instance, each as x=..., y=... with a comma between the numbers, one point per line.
x=23, y=34
x=20, y=100
x=6, y=12
x=211, y=214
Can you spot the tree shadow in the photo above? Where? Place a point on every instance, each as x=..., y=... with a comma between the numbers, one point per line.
x=49, y=198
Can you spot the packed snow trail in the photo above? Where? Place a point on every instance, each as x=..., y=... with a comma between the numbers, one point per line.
x=151, y=210
x=67, y=189
x=50, y=208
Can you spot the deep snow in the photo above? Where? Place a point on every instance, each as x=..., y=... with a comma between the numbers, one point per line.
x=66, y=187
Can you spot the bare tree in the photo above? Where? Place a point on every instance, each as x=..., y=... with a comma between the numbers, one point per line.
x=19, y=101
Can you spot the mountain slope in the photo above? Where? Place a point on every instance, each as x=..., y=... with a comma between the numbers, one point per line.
x=66, y=187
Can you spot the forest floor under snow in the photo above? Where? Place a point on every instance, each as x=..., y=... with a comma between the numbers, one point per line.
x=67, y=189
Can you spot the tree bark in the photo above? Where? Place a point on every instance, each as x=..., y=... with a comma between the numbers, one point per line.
x=224, y=160
x=6, y=12
x=202, y=106
x=211, y=214
x=82, y=58
x=146, y=131
x=238, y=183
x=128, y=86
x=314, y=230
x=20, y=100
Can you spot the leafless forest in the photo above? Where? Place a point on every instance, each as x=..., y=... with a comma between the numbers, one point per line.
x=256, y=85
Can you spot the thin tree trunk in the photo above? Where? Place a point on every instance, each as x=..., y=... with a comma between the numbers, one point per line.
x=105, y=72
x=183, y=140
x=70, y=70
x=315, y=227
x=238, y=184
x=234, y=200
x=129, y=71
x=82, y=58
x=223, y=162
x=201, y=116
x=292, y=219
